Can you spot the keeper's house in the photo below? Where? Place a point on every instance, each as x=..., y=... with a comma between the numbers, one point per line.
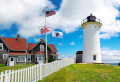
x=79, y=56
x=15, y=51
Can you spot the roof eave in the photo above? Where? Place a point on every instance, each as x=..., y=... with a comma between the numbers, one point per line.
x=39, y=42
x=4, y=42
x=18, y=50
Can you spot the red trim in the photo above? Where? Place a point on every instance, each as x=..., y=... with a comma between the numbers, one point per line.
x=18, y=53
x=55, y=54
x=41, y=53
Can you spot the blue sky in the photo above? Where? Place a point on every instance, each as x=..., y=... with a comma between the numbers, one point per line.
x=24, y=20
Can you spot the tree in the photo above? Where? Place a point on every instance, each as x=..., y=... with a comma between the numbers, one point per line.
x=119, y=64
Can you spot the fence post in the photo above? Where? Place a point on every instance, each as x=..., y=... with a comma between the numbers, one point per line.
x=9, y=73
x=12, y=75
x=28, y=74
x=40, y=71
x=15, y=75
x=18, y=75
x=21, y=75
x=1, y=77
x=35, y=72
x=6, y=76
x=32, y=74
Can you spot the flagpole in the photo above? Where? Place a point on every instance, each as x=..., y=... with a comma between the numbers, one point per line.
x=46, y=38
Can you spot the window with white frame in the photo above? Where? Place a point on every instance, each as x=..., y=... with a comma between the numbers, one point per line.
x=5, y=56
x=41, y=47
x=28, y=58
x=1, y=46
x=21, y=58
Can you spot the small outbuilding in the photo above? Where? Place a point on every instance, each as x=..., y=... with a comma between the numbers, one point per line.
x=79, y=56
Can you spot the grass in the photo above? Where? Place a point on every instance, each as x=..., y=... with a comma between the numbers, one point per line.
x=85, y=73
x=18, y=66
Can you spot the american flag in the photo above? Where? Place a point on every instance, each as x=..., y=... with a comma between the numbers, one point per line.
x=50, y=13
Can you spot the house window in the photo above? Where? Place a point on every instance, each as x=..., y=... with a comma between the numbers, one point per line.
x=28, y=58
x=21, y=58
x=1, y=46
x=40, y=57
x=94, y=57
x=11, y=59
x=5, y=56
x=36, y=57
x=54, y=57
x=41, y=47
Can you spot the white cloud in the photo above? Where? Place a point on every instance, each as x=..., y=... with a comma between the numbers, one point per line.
x=72, y=12
x=60, y=44
x=28, y=14
x=72, y=43
x=110, y=56
x=36, y=39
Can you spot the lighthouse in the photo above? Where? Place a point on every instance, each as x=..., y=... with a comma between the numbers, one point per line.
x=91, y=48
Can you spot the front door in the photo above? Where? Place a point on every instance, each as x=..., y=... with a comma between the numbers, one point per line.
x=38, y=59
x=11, y=61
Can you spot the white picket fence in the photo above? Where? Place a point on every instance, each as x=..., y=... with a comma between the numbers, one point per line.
x=34, y=73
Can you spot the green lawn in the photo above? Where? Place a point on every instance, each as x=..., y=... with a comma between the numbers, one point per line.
x=18, y=66
x=85, y=73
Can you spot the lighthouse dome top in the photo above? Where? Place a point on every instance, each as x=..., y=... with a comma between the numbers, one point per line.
x=91, y=19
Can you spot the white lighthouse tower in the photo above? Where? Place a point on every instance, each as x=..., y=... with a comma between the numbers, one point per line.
x=91, y=51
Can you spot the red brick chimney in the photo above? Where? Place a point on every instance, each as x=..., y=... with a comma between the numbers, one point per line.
x=17, y=37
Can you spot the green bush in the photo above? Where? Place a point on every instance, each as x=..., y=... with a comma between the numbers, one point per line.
x=51, y=60
x=1, y=65
x=119, y=64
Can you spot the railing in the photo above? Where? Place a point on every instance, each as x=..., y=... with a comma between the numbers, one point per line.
x=34, y=73
x=96, y=20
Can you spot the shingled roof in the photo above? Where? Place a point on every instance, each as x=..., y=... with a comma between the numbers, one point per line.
x=53, y=47
x=79, y=52
x=31, y=45
x=14, y=44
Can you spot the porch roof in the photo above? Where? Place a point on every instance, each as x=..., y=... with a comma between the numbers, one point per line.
x=41, y=53
x=18, y=53
x=55, y=54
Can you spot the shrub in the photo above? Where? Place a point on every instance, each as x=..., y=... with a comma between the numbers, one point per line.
x=1, y=65
x=119, y=64
x=51, y=60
